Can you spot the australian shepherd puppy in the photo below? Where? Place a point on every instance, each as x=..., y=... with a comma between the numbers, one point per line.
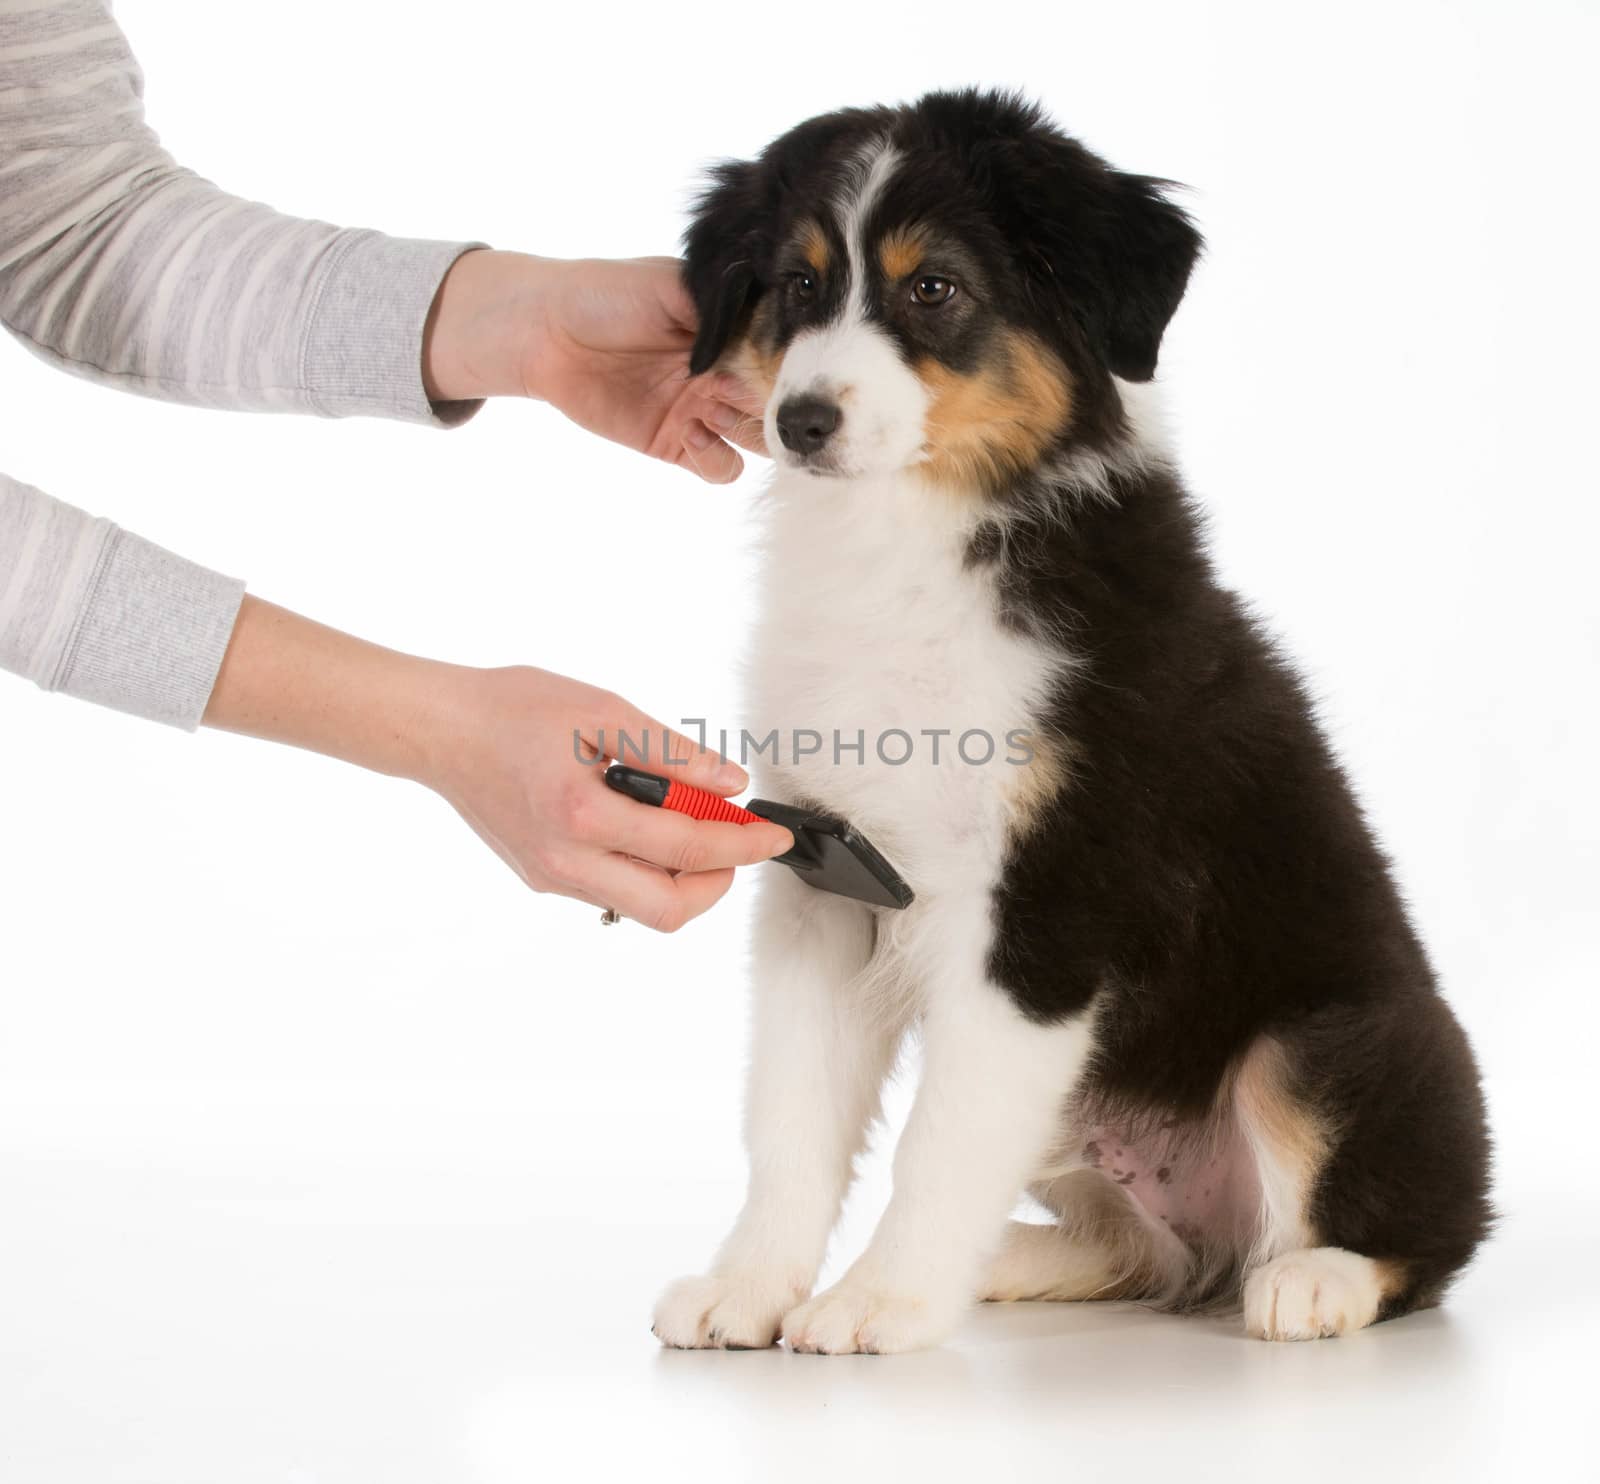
x=1162, y=977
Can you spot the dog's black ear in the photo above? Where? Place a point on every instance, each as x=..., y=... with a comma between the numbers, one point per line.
x=1108, y=248
x=721, y=251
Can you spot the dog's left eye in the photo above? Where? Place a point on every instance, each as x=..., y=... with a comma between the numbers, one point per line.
x=931, y=291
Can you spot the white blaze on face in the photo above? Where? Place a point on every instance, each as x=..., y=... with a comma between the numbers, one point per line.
x=854, y=363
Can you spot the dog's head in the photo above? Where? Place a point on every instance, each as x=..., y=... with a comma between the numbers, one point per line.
x=950, y=285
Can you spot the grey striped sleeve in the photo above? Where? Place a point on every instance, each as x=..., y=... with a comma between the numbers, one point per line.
x=118, y=265
x=105, y=615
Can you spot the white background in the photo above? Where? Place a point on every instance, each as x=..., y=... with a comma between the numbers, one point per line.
x=328, y=1153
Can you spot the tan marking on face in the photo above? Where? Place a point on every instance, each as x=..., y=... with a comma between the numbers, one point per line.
x=754, y=356
x=814, y=247
x=986, y=426
x=901, y=252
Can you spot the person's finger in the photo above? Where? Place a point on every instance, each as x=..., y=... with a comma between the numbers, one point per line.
x=737, y=426
x=705, y=454
x=726, y=386
x=626, y=734
x=667, y=275
x=748, y=404
x=684, y=439
x=676, y=842
x=647, y=894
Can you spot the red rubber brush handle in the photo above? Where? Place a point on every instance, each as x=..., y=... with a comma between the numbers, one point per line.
x=674, y=794
x=685, y=798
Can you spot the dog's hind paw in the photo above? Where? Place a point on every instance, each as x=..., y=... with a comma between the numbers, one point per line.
x=1313, y=1294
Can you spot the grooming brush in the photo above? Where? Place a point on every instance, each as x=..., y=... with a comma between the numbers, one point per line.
x=829, y=853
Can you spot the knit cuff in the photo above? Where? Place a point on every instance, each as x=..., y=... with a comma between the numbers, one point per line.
x=152, y=635
x=363, y=347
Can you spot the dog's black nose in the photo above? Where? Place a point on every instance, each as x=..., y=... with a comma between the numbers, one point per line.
x=806, y=423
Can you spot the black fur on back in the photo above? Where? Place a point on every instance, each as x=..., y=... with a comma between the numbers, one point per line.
x=1209, y=870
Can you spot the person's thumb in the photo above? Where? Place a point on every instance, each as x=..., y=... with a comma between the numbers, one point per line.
x=643, y=742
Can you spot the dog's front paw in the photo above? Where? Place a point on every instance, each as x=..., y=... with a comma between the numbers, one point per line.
x=852, y=1318
x=734, y=1311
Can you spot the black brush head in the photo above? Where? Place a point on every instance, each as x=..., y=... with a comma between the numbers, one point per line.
x=832, y=855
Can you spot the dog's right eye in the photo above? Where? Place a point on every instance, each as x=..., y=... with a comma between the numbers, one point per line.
x=932, y=291
x=802, y=287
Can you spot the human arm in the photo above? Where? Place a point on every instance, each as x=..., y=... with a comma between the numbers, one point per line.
x=502, y=746
x=99, y=613
x=118, y=265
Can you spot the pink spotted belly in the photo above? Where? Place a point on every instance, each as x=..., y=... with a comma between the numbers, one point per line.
x=1203, y=1188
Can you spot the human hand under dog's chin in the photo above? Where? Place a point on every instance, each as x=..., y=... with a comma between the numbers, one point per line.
x=611, y=351
x=606, y=341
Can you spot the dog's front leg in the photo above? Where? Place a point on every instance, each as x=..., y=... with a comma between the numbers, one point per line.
x=817, y=1066
x=989, y=1105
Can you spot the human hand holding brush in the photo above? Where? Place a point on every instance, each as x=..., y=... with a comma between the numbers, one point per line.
x=499, y=746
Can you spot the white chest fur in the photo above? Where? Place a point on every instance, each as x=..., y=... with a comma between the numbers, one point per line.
x=899, y=699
